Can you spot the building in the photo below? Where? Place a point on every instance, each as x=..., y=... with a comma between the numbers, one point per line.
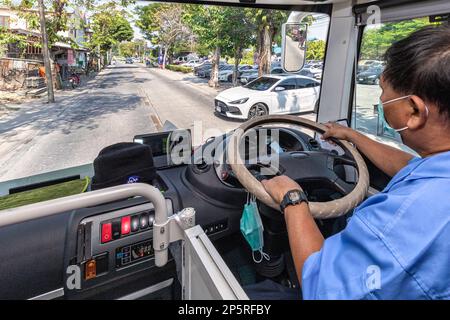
x=71, y=52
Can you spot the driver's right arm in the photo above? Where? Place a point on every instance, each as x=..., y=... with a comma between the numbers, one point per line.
x=388, y=159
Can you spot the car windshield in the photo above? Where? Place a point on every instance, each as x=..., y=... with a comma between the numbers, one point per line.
x=118, y=72
x=262, y=84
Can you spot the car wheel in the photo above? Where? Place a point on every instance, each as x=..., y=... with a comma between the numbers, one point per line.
x=230, y=78
x=258, y=110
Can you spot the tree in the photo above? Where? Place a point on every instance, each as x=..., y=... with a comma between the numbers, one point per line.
x=240, y=33
x=110, y=27
x=210, y=24
x=268, y=23
x=49, y=24
x=46, y=53
x=315, y=50
x=377, y=40
x=163, y=24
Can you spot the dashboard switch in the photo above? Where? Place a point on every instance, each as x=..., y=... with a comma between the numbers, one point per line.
x=90, y=271
x=134, y=223
x=106, y=232
x=126, y=225
x=116, y=228
x=143, y=220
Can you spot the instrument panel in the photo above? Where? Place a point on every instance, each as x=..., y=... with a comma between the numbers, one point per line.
x=116, y=243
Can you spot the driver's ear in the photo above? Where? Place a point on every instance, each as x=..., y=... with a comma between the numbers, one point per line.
x=419, y=113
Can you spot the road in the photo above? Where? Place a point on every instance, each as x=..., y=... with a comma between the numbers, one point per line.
x=42, y=137
x=124, y=100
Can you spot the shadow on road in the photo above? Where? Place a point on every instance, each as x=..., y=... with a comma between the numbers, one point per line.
x=81, y=111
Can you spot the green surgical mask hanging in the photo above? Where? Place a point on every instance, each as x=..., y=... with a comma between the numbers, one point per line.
x=252, y=228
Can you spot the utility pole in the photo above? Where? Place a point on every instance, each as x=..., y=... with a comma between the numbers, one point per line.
x=46, y=54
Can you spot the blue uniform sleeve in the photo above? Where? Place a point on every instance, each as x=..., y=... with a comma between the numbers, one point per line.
x=353, y=264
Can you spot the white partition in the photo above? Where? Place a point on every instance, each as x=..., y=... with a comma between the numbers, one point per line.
x=205, y=274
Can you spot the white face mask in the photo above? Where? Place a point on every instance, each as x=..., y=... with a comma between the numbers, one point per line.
x=386, y=124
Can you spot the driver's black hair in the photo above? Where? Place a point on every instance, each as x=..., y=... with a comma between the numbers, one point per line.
x=420, y=65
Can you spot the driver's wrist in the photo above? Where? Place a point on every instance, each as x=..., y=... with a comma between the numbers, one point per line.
x=351, y=135
x=296, y=210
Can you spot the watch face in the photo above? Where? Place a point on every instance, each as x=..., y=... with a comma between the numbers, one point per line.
x=294, y=196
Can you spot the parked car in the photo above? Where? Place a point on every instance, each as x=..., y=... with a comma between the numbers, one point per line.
x=370, y=76
x=206, y=73
x=180, y=60
x=273, y=94
x=191, y=63
x=253, y=74
x=129, y=60
x=227, y=74
x=200, y=67
x=367, y=64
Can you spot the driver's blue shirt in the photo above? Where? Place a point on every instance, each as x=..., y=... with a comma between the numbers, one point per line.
x=396, y=245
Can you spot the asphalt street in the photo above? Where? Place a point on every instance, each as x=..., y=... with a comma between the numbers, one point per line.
x=41, y=137
x=122, y=101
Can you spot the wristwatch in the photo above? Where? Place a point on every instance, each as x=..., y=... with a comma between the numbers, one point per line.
x=291, y=198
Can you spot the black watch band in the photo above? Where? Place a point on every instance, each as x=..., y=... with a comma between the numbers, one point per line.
x=291, y=198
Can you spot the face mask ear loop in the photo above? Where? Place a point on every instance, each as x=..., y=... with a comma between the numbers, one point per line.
x=263, y=256
x=253, y=256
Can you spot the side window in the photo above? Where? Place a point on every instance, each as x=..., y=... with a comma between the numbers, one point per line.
x=288, y=84
x=277, y=71
x=376, y=40
x=306, y=83
x=4, y=21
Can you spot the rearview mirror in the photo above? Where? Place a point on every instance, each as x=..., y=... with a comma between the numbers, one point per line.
x=278, y=89
x=294, y=46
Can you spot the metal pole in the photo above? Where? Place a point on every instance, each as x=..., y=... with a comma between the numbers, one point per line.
x=46, y=54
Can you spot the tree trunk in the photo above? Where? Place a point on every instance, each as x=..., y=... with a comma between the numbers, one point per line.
x=166, y=49
x=237, y=60
x=214, y=79
x=265, y=52
x=46, y=54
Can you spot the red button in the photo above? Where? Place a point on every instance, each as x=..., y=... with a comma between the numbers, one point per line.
x=126, y=225
x=106, y=232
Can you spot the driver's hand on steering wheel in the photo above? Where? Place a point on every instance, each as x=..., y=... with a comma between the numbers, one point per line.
x=278, y=186
x=335, y=130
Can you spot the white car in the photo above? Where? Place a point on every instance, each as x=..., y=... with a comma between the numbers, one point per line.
x=271, y=94
x=192, y=63
x=227, y=74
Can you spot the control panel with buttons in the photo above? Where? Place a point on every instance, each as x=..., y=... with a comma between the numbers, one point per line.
x=134, y=253
x=120, y=227
x=112, y=241
x=216, y=227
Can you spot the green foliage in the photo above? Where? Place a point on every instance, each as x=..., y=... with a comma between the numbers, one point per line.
x=131, y=49
x=163, y=24
x=7, y=37
x=268, y=24
x=182, y=69
x=315, y=50
x=110, y=26
x=377, y=40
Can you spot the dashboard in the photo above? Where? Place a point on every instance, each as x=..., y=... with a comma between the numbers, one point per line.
x=111, y=244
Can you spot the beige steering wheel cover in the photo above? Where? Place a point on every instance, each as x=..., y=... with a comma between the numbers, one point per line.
x=320, y=210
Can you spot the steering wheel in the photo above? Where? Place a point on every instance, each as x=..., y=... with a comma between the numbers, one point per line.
x=300, y=165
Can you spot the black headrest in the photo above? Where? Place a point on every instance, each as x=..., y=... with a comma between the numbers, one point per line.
x=122, y=163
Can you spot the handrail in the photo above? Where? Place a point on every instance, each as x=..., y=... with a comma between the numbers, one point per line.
x=92, y=198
